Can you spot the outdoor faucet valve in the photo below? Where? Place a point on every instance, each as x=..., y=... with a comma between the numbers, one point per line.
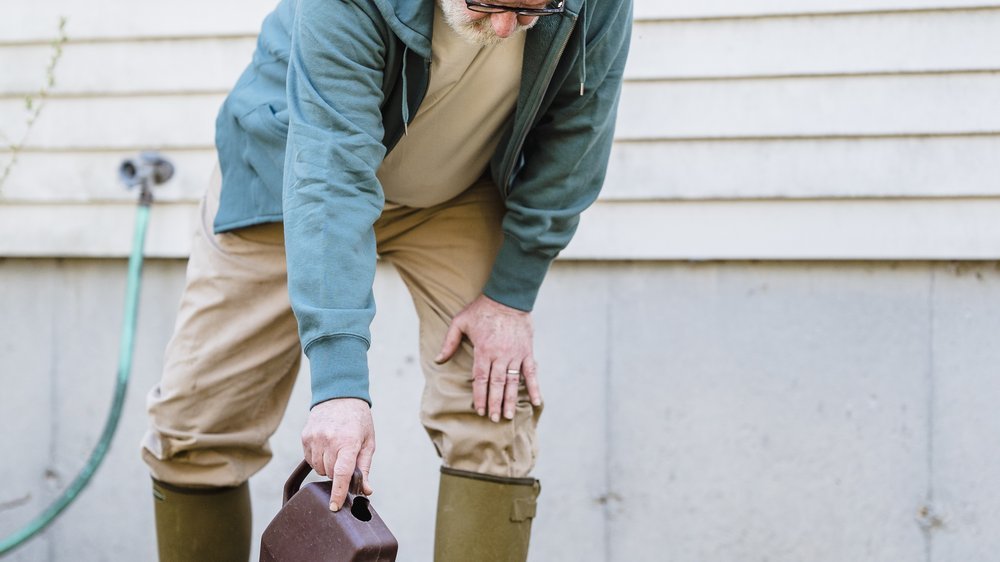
x=145, y=171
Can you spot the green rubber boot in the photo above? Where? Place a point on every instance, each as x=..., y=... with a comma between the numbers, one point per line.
x=202, y=524
x=483, y=518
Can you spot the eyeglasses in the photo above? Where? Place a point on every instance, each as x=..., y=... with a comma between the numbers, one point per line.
x=555, y=7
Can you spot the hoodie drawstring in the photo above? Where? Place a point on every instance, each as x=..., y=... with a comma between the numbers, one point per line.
x=406, y=103
x=583, y=46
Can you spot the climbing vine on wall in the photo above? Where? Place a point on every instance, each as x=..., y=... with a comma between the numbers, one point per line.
x=33, y=104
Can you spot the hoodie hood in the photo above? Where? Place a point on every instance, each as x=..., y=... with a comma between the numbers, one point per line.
x=412, y=21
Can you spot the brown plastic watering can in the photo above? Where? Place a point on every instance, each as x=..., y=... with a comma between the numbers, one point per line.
x=305, y=530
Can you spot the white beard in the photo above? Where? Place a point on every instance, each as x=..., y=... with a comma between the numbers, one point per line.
x=478, y=32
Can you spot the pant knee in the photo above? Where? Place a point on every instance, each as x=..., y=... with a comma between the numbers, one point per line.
x=469, y=442
x=183, y=462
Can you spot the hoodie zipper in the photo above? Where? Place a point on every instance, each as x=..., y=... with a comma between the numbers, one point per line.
x=538, y=106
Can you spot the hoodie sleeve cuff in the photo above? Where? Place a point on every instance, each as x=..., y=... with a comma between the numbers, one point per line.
x=517, y=275
x=339, y=368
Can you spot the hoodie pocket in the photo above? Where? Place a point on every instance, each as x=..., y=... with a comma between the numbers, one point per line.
x=264, y=147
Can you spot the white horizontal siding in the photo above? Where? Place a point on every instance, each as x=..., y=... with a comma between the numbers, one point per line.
x=914, y=42
x=159, y=121
x=896, y=167
x=812, y=107
x=741, y=109
x=33, y=21
x=912, y=229
x=791, y=230
x=878, y=43
x=931, y=167
x=783, y=108
x=164, y=66
x=89, y=177
x=702, y=9
x=95, y=230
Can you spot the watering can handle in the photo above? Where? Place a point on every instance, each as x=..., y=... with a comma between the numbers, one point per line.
x=299, y=475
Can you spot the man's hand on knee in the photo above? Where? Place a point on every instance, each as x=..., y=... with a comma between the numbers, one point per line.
x=339, y=436
x=502, y=347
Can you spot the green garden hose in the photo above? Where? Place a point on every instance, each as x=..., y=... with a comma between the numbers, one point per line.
x=133, y=176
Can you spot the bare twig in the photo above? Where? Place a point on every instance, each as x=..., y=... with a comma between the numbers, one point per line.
x=33, y=104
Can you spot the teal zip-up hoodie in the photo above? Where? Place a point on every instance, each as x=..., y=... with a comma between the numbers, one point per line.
x=328, y=93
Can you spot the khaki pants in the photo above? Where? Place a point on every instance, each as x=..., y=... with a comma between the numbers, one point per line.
x=235, y=352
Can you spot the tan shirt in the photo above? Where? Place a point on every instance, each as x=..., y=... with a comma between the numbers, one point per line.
x=471, y=93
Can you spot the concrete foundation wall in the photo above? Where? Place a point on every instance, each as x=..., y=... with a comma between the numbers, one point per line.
x=707, y=412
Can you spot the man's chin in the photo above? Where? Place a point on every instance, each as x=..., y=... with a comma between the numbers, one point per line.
x=484, y=36
x=478, y=37
x=477, y=32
